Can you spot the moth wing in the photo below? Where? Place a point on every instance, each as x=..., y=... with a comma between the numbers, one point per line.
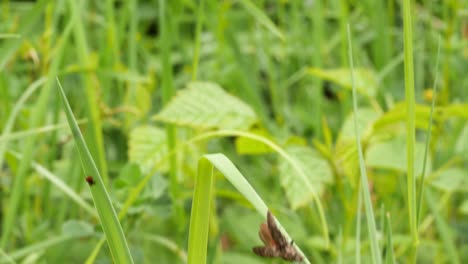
x=276, y=234
x=265, y=235
x=268, y=252
x=290, y=253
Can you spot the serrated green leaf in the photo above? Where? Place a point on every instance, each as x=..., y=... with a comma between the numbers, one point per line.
x=317, y=169
x=206, y=105
x=451, y=180
x=392, y=155
x=365, y=80
x=147, y=146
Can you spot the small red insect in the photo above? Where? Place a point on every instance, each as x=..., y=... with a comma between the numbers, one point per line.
x=90, y=180
x=276, y=244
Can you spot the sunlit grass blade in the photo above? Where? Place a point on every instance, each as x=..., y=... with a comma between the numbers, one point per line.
x=371, y=226
x=109, y=222
x=410, y=122
x=199, y=219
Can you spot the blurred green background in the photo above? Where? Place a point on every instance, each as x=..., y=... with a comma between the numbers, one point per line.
x=145, y=79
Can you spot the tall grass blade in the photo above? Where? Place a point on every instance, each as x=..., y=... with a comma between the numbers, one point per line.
x=410, y=120
x=199, y=220
x=390, y=256
x=428, y=137
x=109, y=222
x=376, y=257
x=263, y=19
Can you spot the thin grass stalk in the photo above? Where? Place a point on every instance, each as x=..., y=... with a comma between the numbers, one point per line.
x=318, y=20
x=376, y=258
x=358, y=227
x=94, y=137
x=167, y=93
x=390, y=256
x=196, y=46
x=428, y=137
x=410, y=122
x=444, y=230
x=108, y=218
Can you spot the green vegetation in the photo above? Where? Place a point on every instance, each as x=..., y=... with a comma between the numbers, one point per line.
x=162, y=131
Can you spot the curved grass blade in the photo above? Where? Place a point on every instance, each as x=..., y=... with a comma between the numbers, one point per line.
x=376, y=257
x=109, y=222
x=201, y=207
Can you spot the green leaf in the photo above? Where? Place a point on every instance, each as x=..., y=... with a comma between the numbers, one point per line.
x=147, y=146
x=392, y=155
x=206, y=105
x=246, y=145
x=397, y=116
x=318, y=171
x=366, y=80
x=451, y=180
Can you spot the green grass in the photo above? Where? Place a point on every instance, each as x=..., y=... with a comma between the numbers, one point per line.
x=335, y=146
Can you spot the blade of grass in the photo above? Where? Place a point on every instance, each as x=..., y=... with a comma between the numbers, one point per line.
x=199, y=220
x=94, y=138
x=376, y=257
x=448, y=240
x=428, y=138
x=200, y=216
x=167, y=93
x=62, y=186
x=42, y=246
x=109, y=222
x=410, y=122
x=261, y=18
x=390, y=256
x=35, y=120
x=11, y=119
x=196, y=46
x=358, y=228
x=169, y=244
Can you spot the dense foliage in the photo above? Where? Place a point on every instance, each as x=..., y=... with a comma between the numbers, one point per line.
x=156, y=85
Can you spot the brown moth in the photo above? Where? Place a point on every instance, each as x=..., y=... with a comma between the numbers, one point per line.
x=276, y=244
